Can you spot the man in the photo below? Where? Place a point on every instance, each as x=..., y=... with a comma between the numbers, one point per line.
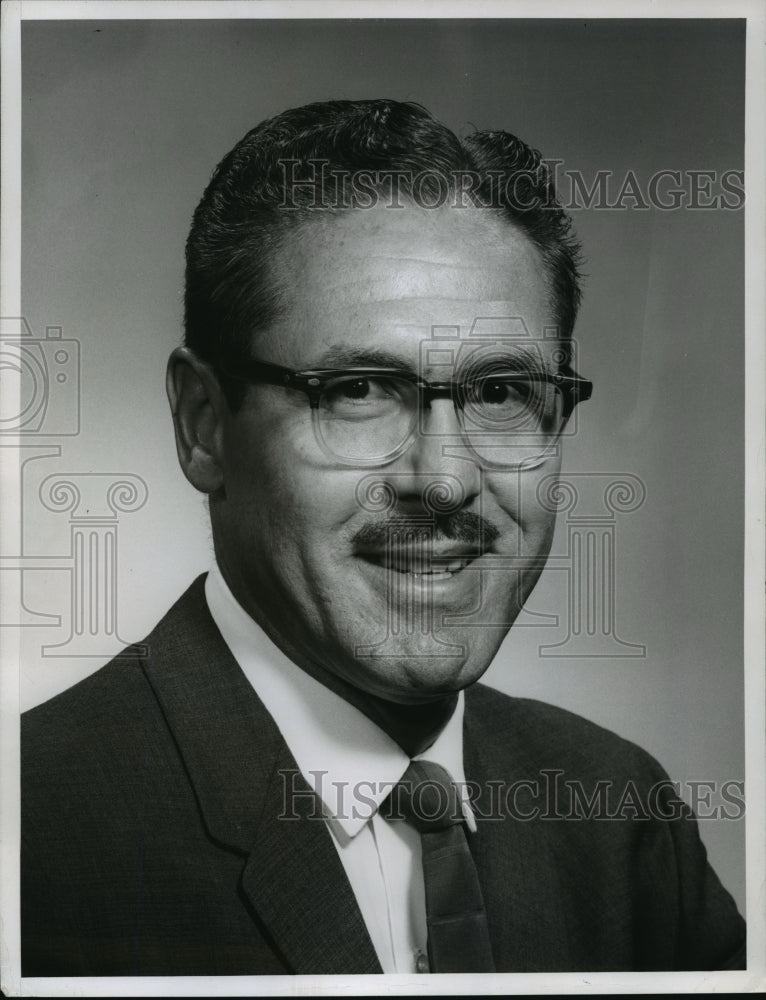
x=302, y=775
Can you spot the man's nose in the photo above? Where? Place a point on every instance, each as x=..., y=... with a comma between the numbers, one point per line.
x=438, y=470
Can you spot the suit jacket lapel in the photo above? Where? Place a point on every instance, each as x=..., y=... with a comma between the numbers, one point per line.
x=302, y=893
x=238, y=764
x=515, y=857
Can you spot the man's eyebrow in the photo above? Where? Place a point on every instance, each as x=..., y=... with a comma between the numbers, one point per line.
x=340, y=356
x=520, y=357
x=513, y=354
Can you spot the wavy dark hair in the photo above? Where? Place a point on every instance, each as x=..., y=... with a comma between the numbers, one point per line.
x=302, y=161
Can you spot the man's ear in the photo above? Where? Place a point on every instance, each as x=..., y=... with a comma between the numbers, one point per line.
x=198, y=407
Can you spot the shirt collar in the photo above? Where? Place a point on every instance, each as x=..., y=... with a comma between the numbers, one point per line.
x=349, y=762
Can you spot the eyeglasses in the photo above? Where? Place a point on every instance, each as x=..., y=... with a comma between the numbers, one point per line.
x=508, y=418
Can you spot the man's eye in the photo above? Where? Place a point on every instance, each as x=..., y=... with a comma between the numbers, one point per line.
x=494, y=392
x=499, y=392
x=358, y=388
x=370, y=393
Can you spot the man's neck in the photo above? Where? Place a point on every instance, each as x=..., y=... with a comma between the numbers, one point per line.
x=413, y=726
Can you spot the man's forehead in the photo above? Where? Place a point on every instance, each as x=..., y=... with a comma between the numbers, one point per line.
x=442, y=350
x=391, y=280
x=444, y=319
x=465, y=331
x=410, y=252
x=403, y=332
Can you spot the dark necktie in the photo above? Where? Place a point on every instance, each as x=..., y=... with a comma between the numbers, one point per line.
x=458, y=936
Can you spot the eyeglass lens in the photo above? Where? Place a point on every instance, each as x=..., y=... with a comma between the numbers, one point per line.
x=507, y=420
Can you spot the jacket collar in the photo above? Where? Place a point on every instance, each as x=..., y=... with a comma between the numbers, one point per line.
x=238, y=765
x=337, y=748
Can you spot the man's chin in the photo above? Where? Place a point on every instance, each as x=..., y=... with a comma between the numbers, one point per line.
x=418, y=668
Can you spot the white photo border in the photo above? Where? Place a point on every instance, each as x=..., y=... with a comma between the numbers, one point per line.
x=13, y=13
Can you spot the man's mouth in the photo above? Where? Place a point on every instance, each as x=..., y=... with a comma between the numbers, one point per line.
x=425, y=553
x=421, y=564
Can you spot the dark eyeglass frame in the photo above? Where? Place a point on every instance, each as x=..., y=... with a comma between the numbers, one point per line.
x=313, y=382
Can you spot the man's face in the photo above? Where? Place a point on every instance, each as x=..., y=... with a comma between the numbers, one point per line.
x=303, y=541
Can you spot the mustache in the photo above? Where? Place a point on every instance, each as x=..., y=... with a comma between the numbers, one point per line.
x=457, y=526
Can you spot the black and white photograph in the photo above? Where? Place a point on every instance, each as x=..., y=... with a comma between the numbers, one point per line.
x=381, y=469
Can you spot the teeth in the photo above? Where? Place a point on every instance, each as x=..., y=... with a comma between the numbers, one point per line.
x=438, y=571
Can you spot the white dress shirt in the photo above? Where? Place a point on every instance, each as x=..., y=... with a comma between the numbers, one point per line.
x=351, y=764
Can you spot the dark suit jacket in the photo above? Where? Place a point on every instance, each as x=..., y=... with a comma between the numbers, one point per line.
x=151, y=842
